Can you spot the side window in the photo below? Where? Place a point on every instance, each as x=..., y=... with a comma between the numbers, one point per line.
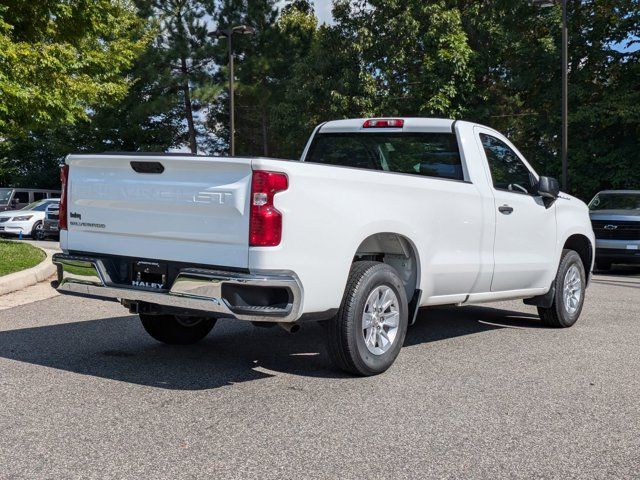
x=507, y=170
x=21, y=197
x=39, y=196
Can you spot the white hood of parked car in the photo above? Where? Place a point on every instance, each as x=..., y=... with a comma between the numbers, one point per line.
x=20, y=213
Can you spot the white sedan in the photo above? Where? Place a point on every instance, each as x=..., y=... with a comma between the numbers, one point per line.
x=26, y=221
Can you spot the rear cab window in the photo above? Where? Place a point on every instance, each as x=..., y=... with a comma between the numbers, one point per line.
x=435, y=155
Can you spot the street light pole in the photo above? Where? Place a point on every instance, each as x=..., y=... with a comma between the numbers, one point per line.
x=565, y=87
x=228, y=34
x=232, y=110
x=565, y=98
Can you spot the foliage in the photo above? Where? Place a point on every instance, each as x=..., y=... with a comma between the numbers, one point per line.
x=59, y=59
x=254, y=74
x=416, y=53
x=185, y=50
x=150, y=117
x=34, y=160
x=496, y=62
x=322, y=77
x=517, y=89
x=604, y=100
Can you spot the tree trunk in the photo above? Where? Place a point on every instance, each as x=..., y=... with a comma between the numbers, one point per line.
x=193, y=145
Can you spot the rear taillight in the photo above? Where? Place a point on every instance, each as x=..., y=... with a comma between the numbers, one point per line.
x=265, y=222
x=383, y=123
x=62, y=214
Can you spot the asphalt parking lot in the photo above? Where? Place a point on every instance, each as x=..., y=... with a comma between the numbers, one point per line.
x=477, y=392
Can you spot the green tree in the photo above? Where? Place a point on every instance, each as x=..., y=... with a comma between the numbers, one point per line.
x=291, y=76
x=416, y=52
x=379, y=58
x=187, y=52
x=516, y=85
x=59, y=59
x=150, y=118
x=604, y=96
x=324, y=77
x=494, y=62
x=255, y=58
x=34, y=160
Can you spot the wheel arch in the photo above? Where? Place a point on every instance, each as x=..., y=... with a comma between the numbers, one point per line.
x=582, y=246
x=396, y=250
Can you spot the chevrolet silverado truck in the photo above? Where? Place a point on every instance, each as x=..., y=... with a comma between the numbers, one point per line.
x=615, y=217
x=379, y=217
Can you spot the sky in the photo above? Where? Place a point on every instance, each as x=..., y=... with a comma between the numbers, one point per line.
x=323, y=11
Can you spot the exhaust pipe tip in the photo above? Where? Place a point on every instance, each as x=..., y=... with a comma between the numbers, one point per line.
x=290, y=327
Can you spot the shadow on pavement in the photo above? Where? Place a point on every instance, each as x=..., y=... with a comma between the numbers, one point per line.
x=626, y=276
x=618, y=270
x=119, y=349
x=440, y=323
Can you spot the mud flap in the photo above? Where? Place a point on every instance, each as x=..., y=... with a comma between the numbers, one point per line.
x=414, y=306
x=544, y=301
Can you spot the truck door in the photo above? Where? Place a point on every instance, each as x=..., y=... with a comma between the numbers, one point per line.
x=525, y=238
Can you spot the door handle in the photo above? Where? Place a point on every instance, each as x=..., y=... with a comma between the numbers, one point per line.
x=506, y=209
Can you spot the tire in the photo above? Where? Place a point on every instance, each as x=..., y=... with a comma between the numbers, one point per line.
x=603, y=266
x=177, y=330
x=369, y=284
x=36, y=231
x=561, y=314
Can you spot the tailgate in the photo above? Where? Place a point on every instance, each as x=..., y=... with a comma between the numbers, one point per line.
x=165, y=207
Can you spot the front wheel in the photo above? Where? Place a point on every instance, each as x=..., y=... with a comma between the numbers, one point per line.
x=570, y=285
x=177, y=329
x=36, y=231
x=366, y=335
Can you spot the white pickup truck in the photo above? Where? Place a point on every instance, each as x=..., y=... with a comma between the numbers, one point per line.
x=380, y=217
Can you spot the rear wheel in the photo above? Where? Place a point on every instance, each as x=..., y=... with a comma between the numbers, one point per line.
x=177, y=329
x=568, y=299
x=366, y=335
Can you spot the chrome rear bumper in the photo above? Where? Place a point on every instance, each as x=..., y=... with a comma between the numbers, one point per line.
x=193, y=289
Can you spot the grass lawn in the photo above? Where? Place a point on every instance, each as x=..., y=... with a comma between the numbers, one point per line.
x=16, y=256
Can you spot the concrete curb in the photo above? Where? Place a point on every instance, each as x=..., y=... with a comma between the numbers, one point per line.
x=31, y=276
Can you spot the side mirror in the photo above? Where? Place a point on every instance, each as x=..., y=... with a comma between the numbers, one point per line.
x=548, y=187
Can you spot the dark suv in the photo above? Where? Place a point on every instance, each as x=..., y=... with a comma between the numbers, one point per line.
x=50, y=222
x=615, y=216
